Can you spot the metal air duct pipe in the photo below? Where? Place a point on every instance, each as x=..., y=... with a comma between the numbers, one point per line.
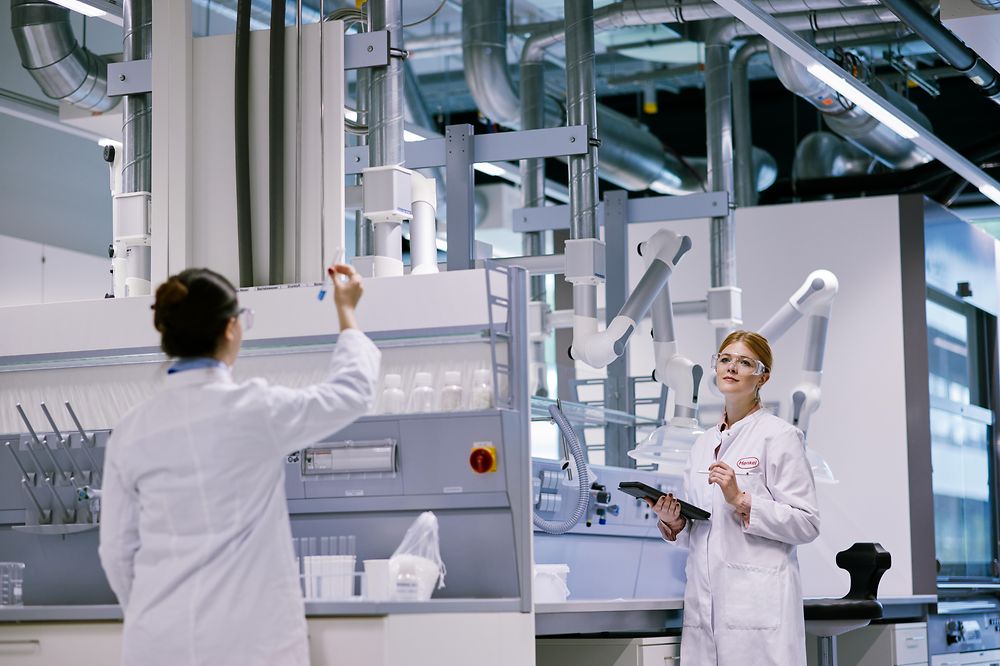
x=719, y=134
x=948, y=46
x=848, y=120
x=63, y=69
x=826, y=155
x=581, y=109
x=137, y=142
x=746, y=193
x=385, y=126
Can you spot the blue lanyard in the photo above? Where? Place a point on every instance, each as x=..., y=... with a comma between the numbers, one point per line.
x=194, y=364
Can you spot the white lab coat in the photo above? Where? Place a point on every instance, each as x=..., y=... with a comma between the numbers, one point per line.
x=743, y=600
x=195, y=536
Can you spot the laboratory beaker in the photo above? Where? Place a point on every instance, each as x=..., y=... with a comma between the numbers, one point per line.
x=11, y=583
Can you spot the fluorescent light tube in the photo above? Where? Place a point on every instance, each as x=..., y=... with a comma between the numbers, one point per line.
x=81, y=7
x=991, y=191
x=489, y=169
x=867, y=104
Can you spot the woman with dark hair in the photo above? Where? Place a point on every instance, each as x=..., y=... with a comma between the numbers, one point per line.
x=195, y=536
x=743, y=598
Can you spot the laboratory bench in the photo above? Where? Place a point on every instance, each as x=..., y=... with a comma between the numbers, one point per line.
x=46, y=635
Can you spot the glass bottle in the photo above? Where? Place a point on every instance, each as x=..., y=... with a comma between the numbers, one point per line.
x=451, y=392
x=393, y=398
x=481, y=396
x=422, y=397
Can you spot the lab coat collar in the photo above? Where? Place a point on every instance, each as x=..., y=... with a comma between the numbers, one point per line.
x=723, y=438
x=200, y=376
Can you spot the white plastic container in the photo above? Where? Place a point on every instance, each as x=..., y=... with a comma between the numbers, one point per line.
x=481, y=396
x=451, y=393
x=393, y=398
x=413, y=577
x=549, y=584
x=422, y=397
x=377, y=580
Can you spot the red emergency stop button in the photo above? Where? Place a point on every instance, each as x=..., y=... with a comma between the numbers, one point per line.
x=483, y=459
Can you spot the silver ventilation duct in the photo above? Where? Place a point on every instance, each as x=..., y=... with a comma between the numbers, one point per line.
x=825, y=155
x=50, y=53
x=848, y=120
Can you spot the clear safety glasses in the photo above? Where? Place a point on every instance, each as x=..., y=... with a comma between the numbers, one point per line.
x=744, y=364
x=246, y=318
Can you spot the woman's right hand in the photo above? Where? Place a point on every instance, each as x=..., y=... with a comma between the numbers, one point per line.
x=668, y=510
x=347, y=289
x=346, y=293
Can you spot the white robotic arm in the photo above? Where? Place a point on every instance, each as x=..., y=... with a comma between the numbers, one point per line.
x=599, y=348
x=814, y=299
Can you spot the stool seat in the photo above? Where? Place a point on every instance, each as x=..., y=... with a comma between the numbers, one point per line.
x=842, y=609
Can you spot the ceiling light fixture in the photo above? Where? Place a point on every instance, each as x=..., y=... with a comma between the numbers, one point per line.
x=871, y=102
x=81, y=7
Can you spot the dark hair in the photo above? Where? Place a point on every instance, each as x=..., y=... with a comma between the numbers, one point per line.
x=192, y=310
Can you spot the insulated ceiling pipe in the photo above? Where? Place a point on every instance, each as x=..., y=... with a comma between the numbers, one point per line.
x=948, y=46
x=746, y=192
x=62, y=68
x=826, y=155
x=631, y=156
x=385, y=126
x=137, y=134
x=848, y=120
x=581, y=109
x=719, y=139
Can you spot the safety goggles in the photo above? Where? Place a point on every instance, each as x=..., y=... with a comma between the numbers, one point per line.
x=744, y=364
x=246, y=318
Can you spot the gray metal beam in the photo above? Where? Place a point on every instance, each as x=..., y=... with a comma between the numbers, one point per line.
x=649, y=209
x=499, y=147
x=460, y=183
x=618, y=439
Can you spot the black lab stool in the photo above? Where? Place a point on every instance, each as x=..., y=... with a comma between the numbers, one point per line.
x=828, y=618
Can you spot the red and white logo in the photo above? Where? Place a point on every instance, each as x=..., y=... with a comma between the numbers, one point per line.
x=747, y=463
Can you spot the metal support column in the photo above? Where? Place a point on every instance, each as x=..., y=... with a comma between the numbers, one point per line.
x=618, y=439
x=460, y=184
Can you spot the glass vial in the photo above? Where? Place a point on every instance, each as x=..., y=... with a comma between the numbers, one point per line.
x=422, y=398
x=451, y=393
x=393, y=398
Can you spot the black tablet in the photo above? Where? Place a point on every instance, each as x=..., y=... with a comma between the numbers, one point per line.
x=642, y=491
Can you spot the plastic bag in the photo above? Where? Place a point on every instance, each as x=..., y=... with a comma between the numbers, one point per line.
x=416, y=565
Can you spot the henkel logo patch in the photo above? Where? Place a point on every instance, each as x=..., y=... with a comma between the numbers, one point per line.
x=747, y=463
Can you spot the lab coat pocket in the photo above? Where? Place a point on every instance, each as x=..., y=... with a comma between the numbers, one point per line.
x=754, y=596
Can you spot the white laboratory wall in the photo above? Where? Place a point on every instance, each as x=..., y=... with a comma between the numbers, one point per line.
x=32, y=273
x=861, y=427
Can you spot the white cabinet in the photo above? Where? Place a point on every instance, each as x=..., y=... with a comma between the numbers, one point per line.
x=880, y=645
x=61, y=643
x=657, y=651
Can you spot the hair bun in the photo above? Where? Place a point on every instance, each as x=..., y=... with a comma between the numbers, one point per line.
x=170, y=293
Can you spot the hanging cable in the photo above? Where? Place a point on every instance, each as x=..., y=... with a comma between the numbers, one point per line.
x=428, y=17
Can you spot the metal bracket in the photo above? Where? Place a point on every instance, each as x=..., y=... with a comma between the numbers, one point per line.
x=132, y=77
x=649, y=209
x=366, y=49
x=498, y=147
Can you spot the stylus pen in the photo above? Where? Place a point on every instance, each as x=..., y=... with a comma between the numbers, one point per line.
x=734, y=472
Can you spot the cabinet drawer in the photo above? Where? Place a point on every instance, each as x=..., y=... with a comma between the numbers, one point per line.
x=664, y=654
x=911, y=644
x=57, y=644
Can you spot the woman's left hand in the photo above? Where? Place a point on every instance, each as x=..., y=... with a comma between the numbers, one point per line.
x=723, y=476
